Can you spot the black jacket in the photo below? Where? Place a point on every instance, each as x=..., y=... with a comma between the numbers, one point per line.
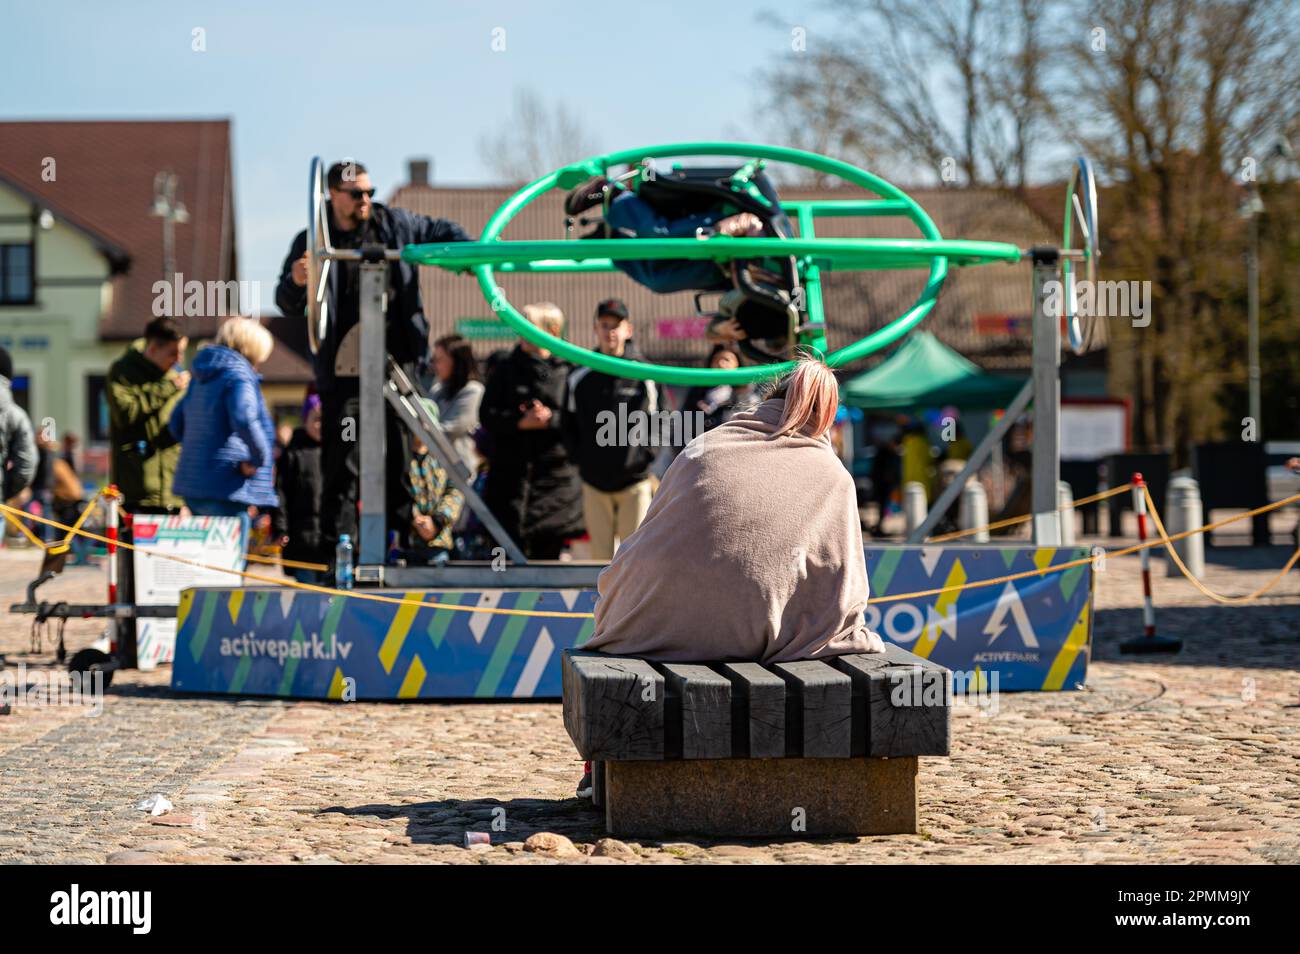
x=530, y=467
x=408, y=331
x=515, y=379
x=298, y=480
x=611, y=426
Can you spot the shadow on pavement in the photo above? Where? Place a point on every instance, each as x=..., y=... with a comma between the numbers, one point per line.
x=1252, y=636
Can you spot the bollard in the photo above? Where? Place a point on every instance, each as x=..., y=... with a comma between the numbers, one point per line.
x=914, y=504
x=1173, y=517
x=1065, y=512
x=974, y=511
x=1183, y=512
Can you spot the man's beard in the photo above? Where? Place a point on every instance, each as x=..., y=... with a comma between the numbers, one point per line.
x=356, y=221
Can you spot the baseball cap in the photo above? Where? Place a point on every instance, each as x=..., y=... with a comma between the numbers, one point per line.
x=613, y=307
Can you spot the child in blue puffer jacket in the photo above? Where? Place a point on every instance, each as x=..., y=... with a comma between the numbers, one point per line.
x=224, y=428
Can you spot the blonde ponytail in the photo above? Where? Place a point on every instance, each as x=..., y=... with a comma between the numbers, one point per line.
x=812, y=396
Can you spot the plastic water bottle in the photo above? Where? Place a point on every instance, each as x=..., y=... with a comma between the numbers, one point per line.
x=343, y=563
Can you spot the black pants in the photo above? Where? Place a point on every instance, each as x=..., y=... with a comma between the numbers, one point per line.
x=519, y=496
x=881, y=495
x=340, y=466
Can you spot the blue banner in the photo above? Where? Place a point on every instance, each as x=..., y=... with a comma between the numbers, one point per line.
x=1034, y=632
x=270, y=641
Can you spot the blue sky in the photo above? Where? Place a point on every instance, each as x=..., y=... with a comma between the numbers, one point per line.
x=387, y=81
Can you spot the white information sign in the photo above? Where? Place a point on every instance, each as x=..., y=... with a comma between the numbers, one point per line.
x=1091, y=431
x=213, y=541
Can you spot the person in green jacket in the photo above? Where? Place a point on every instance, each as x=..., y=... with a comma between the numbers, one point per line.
x=143, y=387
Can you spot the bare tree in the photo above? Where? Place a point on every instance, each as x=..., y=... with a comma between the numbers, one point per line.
x=951, y=86
x=534, y=140
x=1017, y=87
x=1176, y=100
x=1179, y=99
x=813, y=107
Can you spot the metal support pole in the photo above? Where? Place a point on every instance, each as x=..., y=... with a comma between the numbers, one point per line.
x=1047, y=401
x=1144, y=557
x=373, y=366
x=812, y=286
x=1148, y=642
x=1252, y=327
x=401, y=394
x=110, y=531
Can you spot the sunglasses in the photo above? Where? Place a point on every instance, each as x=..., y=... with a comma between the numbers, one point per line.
x=358, y=193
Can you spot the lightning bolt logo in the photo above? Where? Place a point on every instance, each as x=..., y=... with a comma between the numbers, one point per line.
x=1009, y=604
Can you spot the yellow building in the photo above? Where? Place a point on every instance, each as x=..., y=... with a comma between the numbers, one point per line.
x=83, y=252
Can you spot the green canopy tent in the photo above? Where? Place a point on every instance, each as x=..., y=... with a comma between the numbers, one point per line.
x=924, y=372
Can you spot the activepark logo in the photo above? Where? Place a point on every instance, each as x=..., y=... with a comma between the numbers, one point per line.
x=313, y=647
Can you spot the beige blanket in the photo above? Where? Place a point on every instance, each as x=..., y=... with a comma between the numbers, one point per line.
x=751, y=549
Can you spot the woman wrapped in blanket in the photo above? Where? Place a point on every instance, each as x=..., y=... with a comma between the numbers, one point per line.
x=785, y=582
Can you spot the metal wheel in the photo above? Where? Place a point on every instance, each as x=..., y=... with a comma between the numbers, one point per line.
x=1080, y=214
x=931, y=252
x=318, y=265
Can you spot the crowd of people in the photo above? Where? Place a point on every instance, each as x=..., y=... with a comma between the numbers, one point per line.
x=202, y=441
x=530, y=432
x=525, y=426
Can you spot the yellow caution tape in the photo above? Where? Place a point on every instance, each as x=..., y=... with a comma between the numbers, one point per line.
x=1165, y=539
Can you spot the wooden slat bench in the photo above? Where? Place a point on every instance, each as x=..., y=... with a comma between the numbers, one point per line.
x=789, y=749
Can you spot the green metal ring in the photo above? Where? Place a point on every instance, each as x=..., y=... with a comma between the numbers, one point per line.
x=598, y=255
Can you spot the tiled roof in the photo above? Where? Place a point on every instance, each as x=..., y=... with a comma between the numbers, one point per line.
x=857, y=303
x=103, y=185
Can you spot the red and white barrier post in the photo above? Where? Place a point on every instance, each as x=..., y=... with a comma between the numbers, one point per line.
x=1149, y=642
x=1144, y=555
x=110, y=500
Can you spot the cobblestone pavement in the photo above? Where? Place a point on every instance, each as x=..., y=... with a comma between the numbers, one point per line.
x=1193, y=758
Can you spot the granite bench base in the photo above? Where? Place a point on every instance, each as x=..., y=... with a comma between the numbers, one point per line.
x=741, y=749
x=759, y=797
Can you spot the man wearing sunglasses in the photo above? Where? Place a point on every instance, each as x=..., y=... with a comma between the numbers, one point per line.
x=355, y=219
